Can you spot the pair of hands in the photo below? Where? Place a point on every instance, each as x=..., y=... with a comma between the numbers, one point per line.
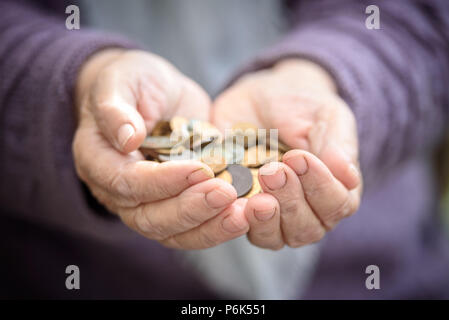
x=121, y=95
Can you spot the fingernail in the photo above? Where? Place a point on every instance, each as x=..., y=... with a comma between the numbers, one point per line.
x=274, y=178
x=218, y=198
x=199, y=175
x=264, y=215
x=232, y=226
x=125, y=132
x=298, y=164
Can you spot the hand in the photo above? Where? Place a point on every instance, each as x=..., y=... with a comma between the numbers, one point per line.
x=319, y=182
x=120, y=96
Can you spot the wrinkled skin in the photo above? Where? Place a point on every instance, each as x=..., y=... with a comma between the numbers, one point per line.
x=318, y=182
x=122, y=94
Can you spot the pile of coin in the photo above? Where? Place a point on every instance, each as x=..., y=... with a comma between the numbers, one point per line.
x=234, y=156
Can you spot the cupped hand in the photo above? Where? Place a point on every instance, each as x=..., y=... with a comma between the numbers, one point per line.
x=318, y=183
x=120, y=96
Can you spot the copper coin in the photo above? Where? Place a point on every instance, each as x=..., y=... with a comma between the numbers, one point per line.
x=149, y=153
x=256, y=185
x=178, y=123
x=277, y=145
x=256, y=156
x=247, y=132
x=162, y=128
x=242, y=179
x=217, y=168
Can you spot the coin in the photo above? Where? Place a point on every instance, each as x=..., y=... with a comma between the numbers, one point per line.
x=258, y=155
x=149, y=153
x=158, y=142
x=217, y=168
x=162, y=128
x=233, y=152
x=277, y=144
x=175, y=150
x=212, y=155
x=226, y=176
x=233, y=159
x=185, y=155
x=242, y=179
x=178, y=124
x=256, y=185
x=247, y=132
x=198, y=141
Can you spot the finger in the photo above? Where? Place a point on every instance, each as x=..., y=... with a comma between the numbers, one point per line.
x=263, y=214
x=334, y=140
x=299, y=224
x=129, y=177
x=114, y=107
x=162, y=219
x=223, y=114
x=328, y=197
x=194, y=102
x=229, y=224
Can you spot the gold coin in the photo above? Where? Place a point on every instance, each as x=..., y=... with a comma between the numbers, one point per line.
x=225, y=175
x=250, y=158
x=256, y=185
x=257, y=156
x=162, y=128
x=149, y=153
x=243, y=126
x=217, y=168
x=178, y=123
x=246, y=132
x=277, y=144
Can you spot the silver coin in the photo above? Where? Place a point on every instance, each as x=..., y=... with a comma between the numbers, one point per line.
x=185, y=155
x=158, y=142
x=242, y=179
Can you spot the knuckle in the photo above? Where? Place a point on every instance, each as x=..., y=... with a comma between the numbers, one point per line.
x=314, y=235
x=145, y=225
x=162, y=189
x=188, y=213
x=120, y=183
x=78, y=159
x=309, y=236
x=290, y=207
x=264, y=233
x=276, y=247
x=294, y=243
x=207, y=240
x=342, y=210
x=354, y=206
x=315, y=189
x=171, y=242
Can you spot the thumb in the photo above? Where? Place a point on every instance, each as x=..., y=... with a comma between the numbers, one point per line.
x=335, y=143
x=120, y=123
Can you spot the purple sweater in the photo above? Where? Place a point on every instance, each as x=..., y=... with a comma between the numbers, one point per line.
x=394, y=79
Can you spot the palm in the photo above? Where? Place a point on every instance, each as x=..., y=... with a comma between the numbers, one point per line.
x=302, y=123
